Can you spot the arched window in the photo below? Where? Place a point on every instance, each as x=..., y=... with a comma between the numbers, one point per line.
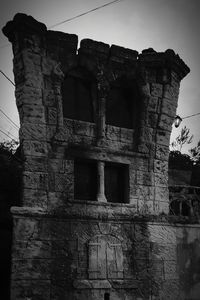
x=79, y=95
x=121, y=105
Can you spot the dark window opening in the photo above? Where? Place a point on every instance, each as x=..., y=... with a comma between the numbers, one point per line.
x=185, y=209
x=106, y=296
x=121, y=105
x=175, y=208
x=78, y=93
x=116, y=183
x=85, y=180
x=180, y=208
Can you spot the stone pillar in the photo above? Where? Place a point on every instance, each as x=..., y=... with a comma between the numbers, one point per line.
x=102, y=92
x=101, y=182
x=27, y=38
x=161, y=74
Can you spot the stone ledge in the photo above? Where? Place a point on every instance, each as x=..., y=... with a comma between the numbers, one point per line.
x=103, y=213
x=106, y=284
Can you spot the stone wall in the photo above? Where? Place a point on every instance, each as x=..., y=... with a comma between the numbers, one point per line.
x=65, y=247
x=83, y=255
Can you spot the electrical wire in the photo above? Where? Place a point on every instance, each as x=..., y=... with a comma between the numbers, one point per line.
x=7, y=77
x=191, y=116
x=8, y=135
x=83, y=14
x=16, y=126
x=72, y=18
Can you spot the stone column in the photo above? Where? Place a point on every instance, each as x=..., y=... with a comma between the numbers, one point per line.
x=160, y=77
x=101, y=182
x=102, y=94
x=101, y=121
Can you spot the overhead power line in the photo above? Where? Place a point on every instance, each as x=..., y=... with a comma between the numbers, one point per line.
x=10, y=135
x=9, y=118
x=7, y=77
x=72, y=18
x=85, y=13
x=191, y=116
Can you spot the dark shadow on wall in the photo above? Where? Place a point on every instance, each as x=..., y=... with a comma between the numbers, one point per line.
x=188, y=255
x=10, y=174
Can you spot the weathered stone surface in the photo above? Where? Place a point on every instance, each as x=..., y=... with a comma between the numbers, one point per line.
x=32, y=249
x=171, y=93
x=145, y=178
x=32, y=131
x=162, y=137
x=32, y=114
x=35, y=180
x=28, y=96
x=162, y=152
x=153, y=104
x=168, y=107
x=35, y=197
x=35, y=164
x=31, y=289
x=34, y=148
x=156, y=90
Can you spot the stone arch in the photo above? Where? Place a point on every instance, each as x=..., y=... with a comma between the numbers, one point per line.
x=79, y=95
x=105, y=257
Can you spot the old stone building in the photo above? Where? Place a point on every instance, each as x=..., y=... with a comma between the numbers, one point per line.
x=95, y=124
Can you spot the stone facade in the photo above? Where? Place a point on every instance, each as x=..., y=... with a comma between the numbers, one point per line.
x=94, y=134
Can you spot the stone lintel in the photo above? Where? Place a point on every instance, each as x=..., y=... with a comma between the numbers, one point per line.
x=113, y=215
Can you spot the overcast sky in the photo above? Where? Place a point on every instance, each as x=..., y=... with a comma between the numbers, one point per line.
x=135, y=24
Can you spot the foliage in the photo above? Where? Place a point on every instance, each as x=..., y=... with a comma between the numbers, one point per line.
x=195, y=154
x=10, y=173
x=183, y=138
x=180, y=160
x=8, y=146
x=177, y=160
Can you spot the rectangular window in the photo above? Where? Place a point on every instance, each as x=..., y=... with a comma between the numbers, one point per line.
x=85, y=180
x=116, y=183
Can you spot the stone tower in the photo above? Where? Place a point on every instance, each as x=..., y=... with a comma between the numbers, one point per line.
x=95, y=124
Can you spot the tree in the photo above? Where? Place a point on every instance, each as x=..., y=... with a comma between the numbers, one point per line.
x=183, y=138
x=195, y=154
x=8, y=146
x=178, y=160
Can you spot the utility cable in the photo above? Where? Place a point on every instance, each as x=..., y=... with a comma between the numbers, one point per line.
x=191, y=116
x=9, y=135
x=85, y=13
x=9, y=118
x=7, y=77
x=75, y=17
